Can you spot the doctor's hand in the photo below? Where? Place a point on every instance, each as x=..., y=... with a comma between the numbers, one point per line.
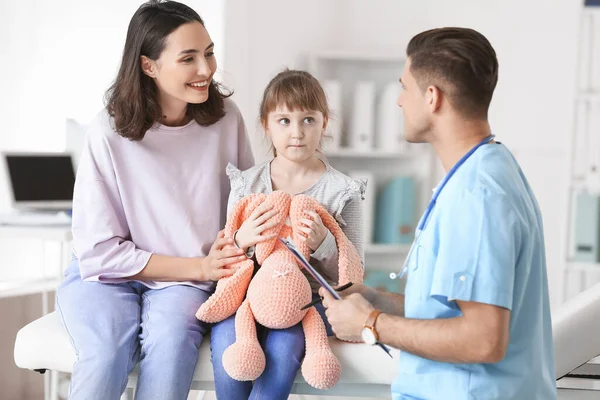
x=348, y=315
x=250, y=233
x=369, y=293
x=313, y=229
x=217, y=264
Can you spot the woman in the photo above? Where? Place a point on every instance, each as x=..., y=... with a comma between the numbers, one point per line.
x=149, y=200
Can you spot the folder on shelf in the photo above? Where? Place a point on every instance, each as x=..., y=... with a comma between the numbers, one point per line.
x=395, y=216
x=389, y=134
x=362, y=120
x=580, y=162
x=368, y=203
x=593, y=147
x=333, y=91
x=587, y=228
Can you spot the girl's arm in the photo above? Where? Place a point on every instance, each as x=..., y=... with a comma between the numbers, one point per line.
x=327, y=252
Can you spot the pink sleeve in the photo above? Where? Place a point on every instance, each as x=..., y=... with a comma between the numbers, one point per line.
x=100, y=230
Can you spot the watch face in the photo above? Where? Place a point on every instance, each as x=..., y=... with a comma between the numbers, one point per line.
x=368, y=337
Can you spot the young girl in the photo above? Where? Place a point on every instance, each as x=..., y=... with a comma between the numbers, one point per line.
x=149, y=200
x=294, y=115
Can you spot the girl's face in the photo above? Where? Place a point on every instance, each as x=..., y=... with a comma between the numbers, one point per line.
x=296, y=135
x=185, y=68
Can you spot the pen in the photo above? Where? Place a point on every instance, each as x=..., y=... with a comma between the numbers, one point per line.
x=319, y=299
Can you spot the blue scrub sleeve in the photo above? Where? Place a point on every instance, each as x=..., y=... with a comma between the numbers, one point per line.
x=479, y=241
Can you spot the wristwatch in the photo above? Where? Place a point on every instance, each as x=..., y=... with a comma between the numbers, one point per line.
x=369, y=333
x=249, y=251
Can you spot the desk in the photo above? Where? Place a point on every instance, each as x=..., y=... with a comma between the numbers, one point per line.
x=49, y=279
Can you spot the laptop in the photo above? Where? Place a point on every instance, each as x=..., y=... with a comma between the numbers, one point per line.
x=40, y=187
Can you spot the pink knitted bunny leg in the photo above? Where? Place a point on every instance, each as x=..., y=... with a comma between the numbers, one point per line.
x=320, y=367
x=244, y=360
x=228, y=295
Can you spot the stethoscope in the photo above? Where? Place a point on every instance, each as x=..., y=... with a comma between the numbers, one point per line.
x=431, y=204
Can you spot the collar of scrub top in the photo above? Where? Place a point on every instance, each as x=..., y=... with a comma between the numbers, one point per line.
x=433, y=200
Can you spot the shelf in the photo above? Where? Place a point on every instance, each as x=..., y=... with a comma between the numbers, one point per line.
x=26, y=287
x=391, y=249
x=373, y=153
x=59, y=233
x=592, y=10
x=580, y=186
x=592, y=96
x=581, y=266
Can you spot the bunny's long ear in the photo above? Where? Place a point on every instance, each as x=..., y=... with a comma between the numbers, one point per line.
x=349, y=264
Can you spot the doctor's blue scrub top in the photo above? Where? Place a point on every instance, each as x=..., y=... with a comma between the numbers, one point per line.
x=484, y=243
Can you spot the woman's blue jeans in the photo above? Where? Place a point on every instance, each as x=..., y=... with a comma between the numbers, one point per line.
x=114, y=326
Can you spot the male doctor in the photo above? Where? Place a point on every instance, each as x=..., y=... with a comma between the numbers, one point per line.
x=474, y=322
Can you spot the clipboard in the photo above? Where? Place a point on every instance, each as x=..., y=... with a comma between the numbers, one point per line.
x=315, y=274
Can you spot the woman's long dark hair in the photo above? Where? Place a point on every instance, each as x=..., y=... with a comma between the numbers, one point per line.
x=132, y=100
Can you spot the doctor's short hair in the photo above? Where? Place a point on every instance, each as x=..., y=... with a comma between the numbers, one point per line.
x=460, y=62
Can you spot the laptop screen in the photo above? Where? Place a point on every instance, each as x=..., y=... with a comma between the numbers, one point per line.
x=41, y=178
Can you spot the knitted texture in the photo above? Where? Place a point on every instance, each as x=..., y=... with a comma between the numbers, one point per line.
x=278, y=290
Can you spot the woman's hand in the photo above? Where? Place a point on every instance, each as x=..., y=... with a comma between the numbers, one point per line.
x=217, y=264
x=250, y=233
x=314, y=230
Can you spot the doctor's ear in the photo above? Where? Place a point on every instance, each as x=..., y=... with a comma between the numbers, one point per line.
x=433, y=98
x=148, y=66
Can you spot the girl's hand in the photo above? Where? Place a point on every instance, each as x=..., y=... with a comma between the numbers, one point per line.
x=216, y=264
x=314, y=230
x=250, y=233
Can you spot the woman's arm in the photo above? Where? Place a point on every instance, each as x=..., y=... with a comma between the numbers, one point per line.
x=210, y=268
x=100, y=231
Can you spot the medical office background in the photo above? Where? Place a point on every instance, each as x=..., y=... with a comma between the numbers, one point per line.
x=58, y=58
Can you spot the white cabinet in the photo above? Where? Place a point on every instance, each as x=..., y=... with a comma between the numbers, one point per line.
x=380, y=155
x=582, y=225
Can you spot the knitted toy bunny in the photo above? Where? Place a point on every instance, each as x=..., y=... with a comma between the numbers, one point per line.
x=278, y=290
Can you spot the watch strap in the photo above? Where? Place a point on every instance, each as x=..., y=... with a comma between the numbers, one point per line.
x=372, y=319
